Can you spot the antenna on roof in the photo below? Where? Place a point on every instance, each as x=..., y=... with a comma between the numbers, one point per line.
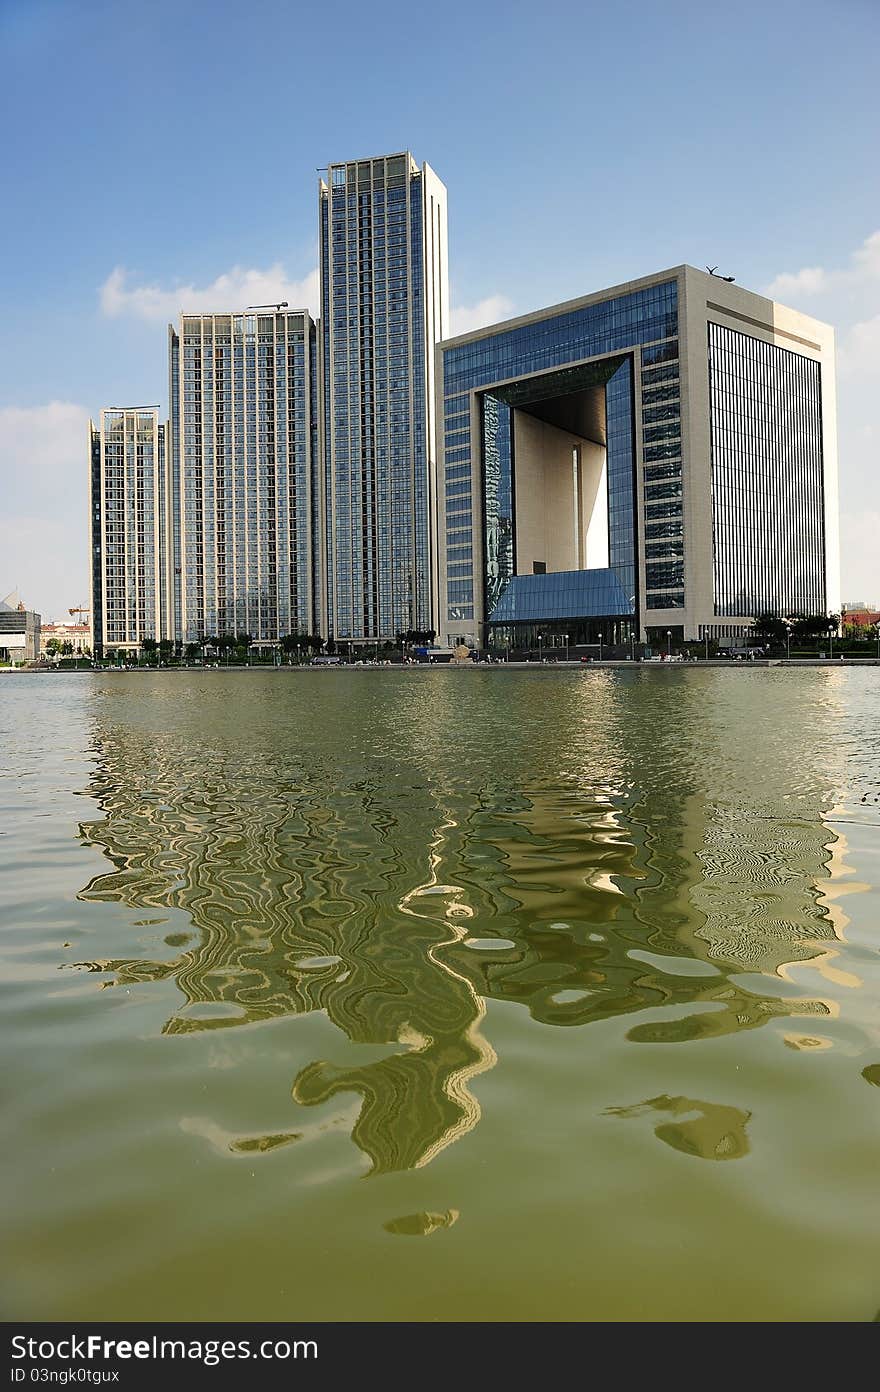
x=282, y=304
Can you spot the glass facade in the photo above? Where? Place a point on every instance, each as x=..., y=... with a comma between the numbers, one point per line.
x=565, y=594
x=497, y=505
x=559, y=341
x=768, y=505
x=174, y=568
x=376, y=282
x=96, y=540
x=244, y=426
x=128, y=503
x=661, y=455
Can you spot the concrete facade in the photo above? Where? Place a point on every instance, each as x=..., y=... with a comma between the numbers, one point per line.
x=733, y=453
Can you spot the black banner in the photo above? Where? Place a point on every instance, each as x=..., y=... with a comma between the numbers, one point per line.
x=134, y=1356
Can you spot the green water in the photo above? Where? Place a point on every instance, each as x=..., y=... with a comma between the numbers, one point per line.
x=441, y=995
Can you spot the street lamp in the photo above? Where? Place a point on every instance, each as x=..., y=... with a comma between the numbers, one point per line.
x=668, y=643
x=565, y=636
x=540, y=647
x=877, y=628
x=787, y=641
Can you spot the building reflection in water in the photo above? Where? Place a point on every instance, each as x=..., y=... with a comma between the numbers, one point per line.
x=380, y=888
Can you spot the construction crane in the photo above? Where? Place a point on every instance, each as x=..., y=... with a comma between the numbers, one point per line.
x=80, y=609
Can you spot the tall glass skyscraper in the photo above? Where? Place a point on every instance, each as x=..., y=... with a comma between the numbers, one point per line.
x=243, y=542
x=129, y=512
x=384, y=306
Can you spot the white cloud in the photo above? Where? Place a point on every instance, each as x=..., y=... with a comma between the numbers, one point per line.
x=233, y=290
x=812, y=280
x=466, y=318
x=848, y=296
x=858, y=543
x=121, y=296
x=44, y=521
x=858, y=355
x=863, y=269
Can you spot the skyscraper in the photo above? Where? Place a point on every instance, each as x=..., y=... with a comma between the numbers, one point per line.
x=384, y=306
x=243, y=444
x=129, y=507
x=657, y=460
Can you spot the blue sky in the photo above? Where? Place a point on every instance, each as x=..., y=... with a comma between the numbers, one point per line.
x=164, y=156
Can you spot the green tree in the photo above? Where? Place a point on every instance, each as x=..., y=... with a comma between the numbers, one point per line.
x=807, y=627
x=770, y=628
x=166, y=648
x=53, y=646
x=191, y=651
x=299, y=643
x=149, y=647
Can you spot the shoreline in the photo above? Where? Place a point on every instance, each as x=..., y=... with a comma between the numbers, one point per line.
x=618, y=664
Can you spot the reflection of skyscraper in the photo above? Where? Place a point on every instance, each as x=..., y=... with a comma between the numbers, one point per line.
x=384, y=298
x=243, y=421
x=399, y=898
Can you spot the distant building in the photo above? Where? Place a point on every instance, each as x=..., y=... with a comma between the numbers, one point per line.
x=243, y=555
x=859, y=617
x=79, y=636
x=19, y=631
x=129, y=517
x=656, y=461
x=384, y=307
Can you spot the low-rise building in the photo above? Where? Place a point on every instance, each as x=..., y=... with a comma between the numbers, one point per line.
x=19, y=631
x=78, y=635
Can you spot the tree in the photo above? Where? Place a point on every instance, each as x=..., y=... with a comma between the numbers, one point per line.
x=813, y=626
x=166, y=648
x=67, y=648
x=771, y=628
x=149, y=647
x=53, y=647
x=191, y=651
